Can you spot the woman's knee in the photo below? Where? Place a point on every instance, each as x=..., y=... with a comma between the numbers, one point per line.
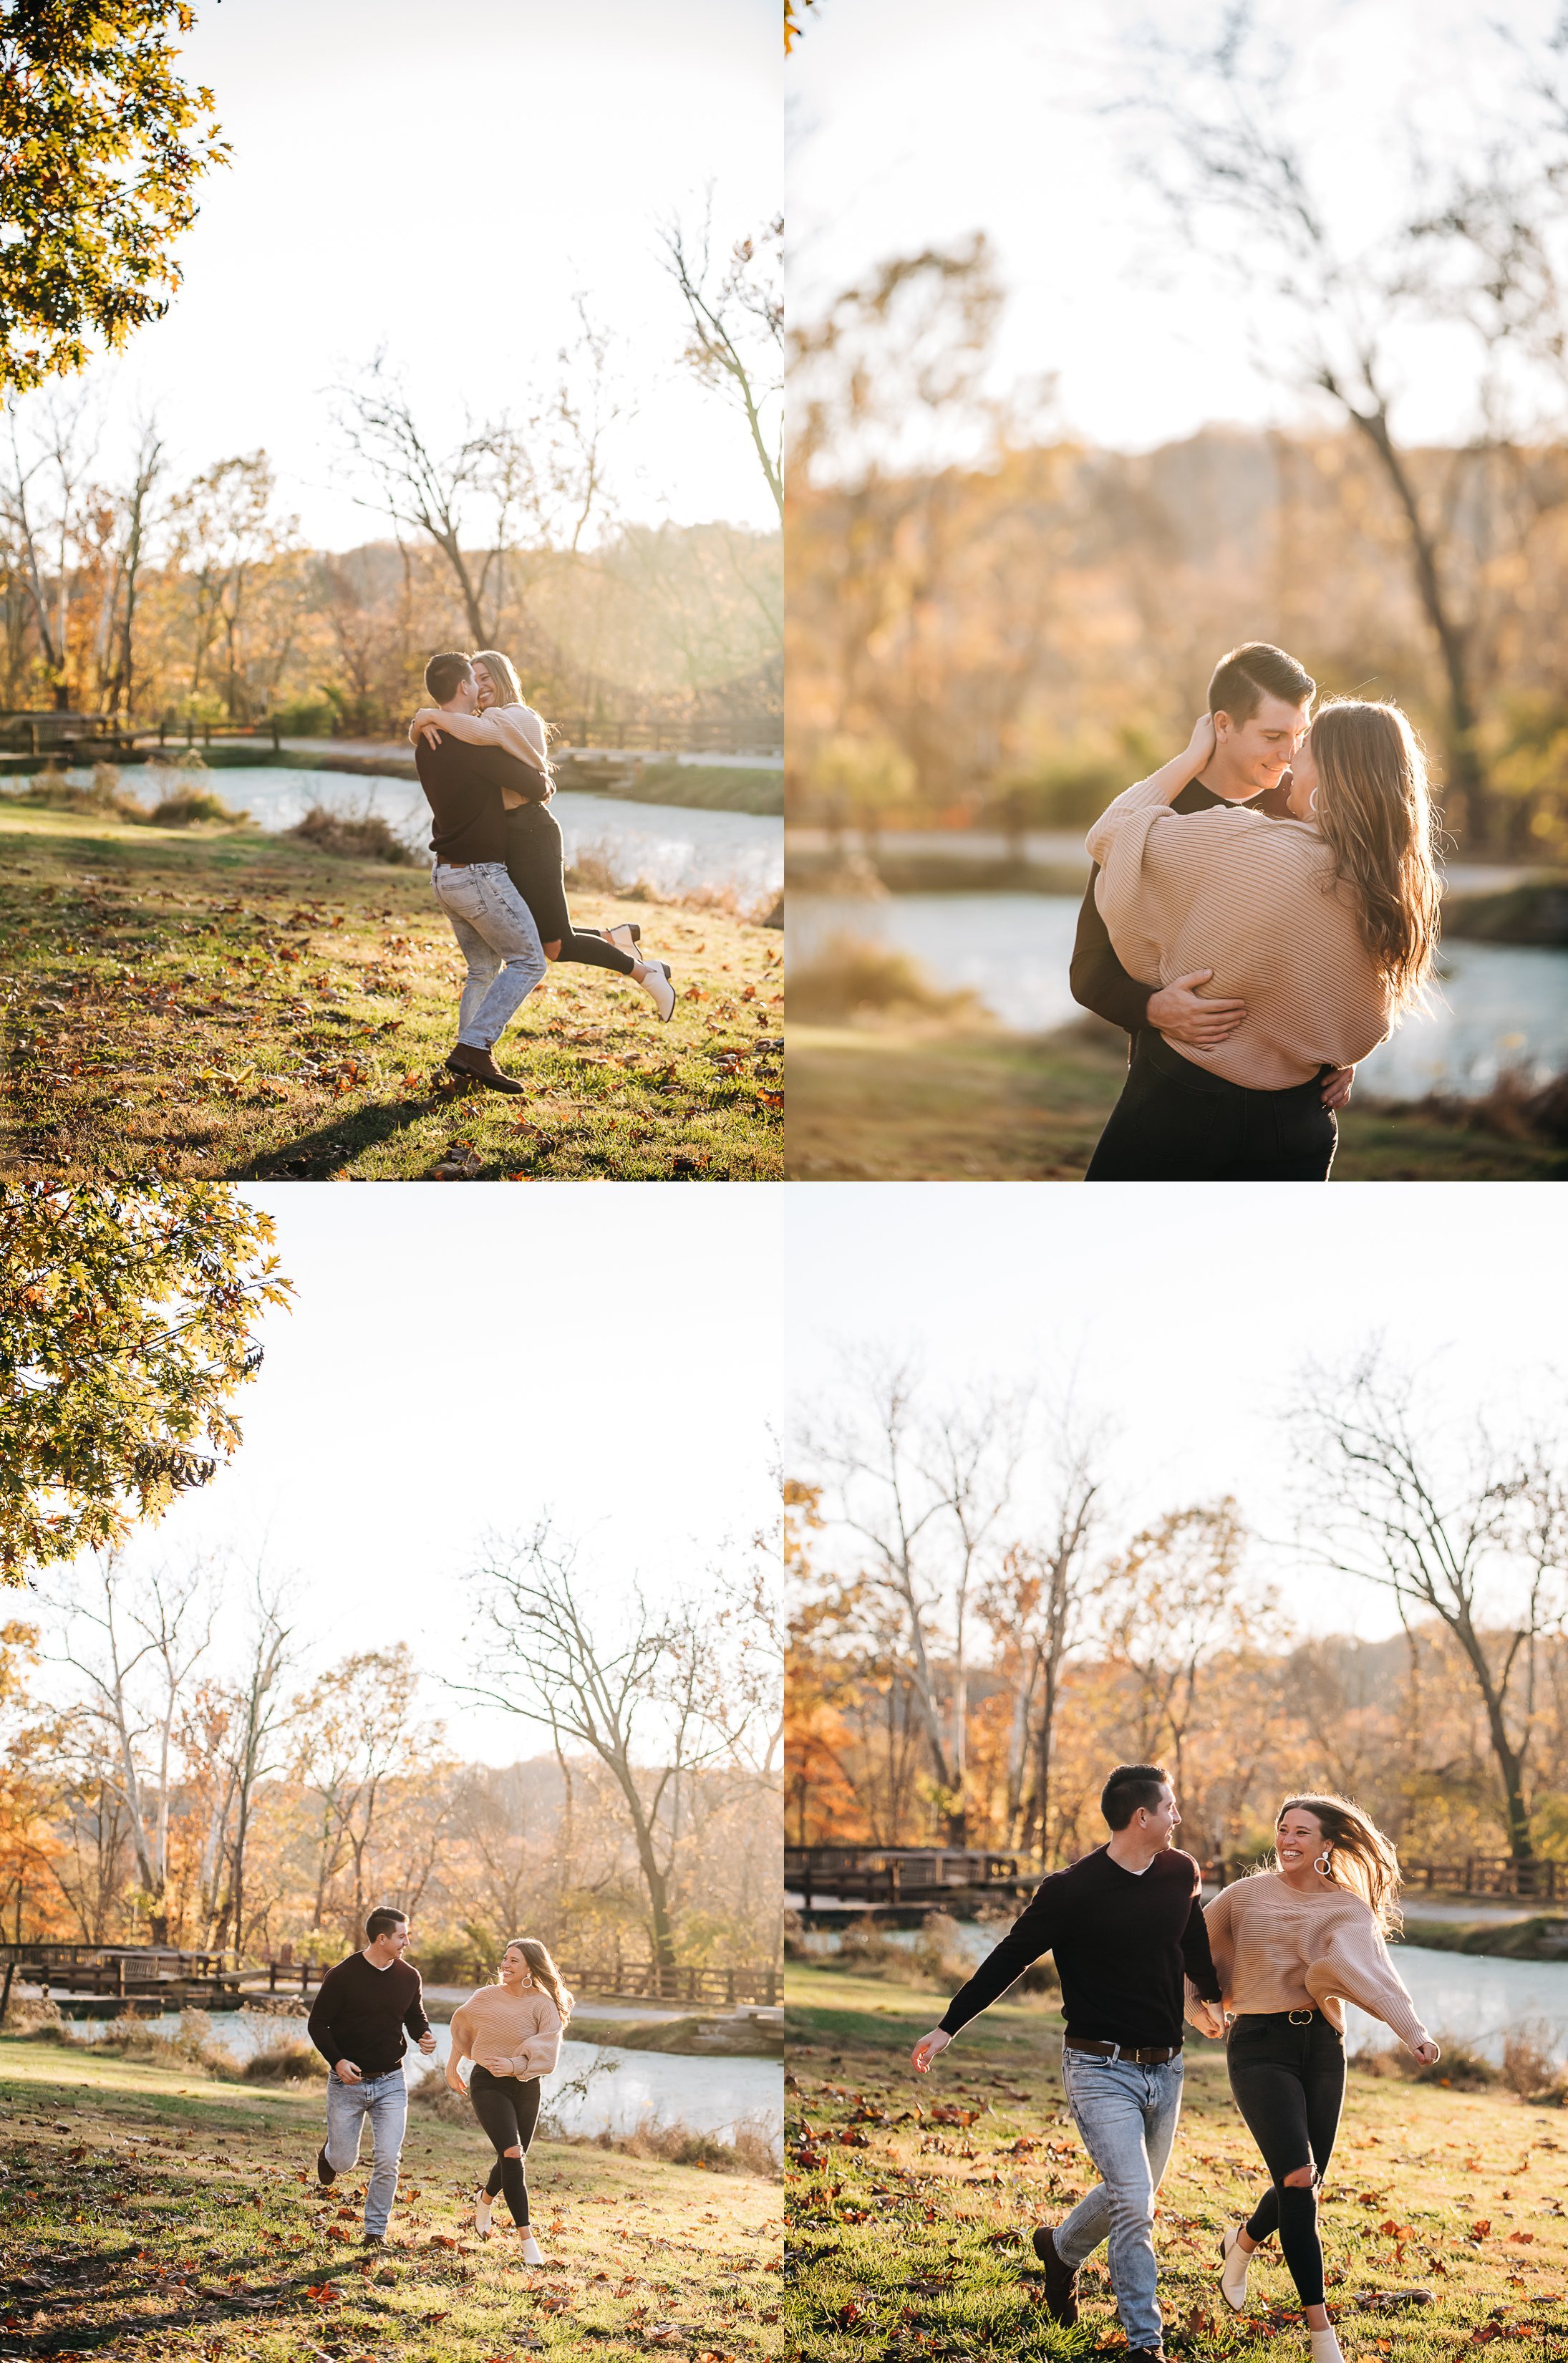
x=552, y=951
x=1300, y=2178
x=515, y=2150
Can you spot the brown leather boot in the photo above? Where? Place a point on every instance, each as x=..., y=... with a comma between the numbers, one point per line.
x=481, y=1068
x=1061, y=2281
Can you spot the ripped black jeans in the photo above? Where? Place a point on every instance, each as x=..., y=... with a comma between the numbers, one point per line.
x=508, y=2109
x=1288, y=2080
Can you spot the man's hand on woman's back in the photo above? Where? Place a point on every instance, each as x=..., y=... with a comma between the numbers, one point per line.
x=1180, y=1011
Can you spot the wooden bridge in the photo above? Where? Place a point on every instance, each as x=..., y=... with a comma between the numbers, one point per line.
x=907, y=1878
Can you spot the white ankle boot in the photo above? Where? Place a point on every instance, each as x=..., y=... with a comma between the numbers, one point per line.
x=483, y=2207
x=529, y=2250
x=1326, y=2347
x=1234, y=2262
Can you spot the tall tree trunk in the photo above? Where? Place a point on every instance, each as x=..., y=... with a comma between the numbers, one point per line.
x=1464, y=766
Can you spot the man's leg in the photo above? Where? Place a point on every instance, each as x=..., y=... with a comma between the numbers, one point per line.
x=345, y=2119
x=482, y=965
x=1127, y=2120
x=388, y=2107
x=484, y=898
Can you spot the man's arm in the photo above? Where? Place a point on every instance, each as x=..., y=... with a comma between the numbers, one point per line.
x=318, y=2026
x=1098, y=980
x=1100, y=983
x=1197, y=1958
x=414, y=2017
x=1032, y=1933
x=499, y=769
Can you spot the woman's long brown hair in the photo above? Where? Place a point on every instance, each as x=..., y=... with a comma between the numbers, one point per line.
x=544, y=1973
x=1375, y=813
x=1360, y=1858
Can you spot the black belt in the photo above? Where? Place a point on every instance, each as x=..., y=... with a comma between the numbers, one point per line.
x=1147, y=2055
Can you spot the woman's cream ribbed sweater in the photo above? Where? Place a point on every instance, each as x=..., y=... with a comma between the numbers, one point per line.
x=1274, y=1949
x=522, y=2026
x=1256, y=900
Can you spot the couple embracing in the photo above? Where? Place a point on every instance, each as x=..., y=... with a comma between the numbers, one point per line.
x=1268, y=1967
x=1263, y=911
x=483, y=762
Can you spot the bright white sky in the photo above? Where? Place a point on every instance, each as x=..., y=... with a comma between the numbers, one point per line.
x=1186, y=1313
x=457, y=1362
x=442, y=181
x=915, y=122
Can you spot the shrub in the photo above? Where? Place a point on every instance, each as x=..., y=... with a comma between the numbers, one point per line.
x=367, y=837
x=848, y=975
x=186, y=806
x=434, y=2097
x=749, y=2151
x=1531, y=2064
x=937, y=1954
x=1460, y=2065
x=305, y=718
x=50, y=790
x=283, y=2063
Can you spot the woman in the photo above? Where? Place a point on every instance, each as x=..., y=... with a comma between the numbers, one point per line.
x=511, y=2031
x=1291, y=1946
x=1324, y=925
x=536, y=860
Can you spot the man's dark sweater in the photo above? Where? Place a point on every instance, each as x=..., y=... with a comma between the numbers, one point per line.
x=1122, y=1941
x=360, y=2014
x=462, y=787
x=1097, y=978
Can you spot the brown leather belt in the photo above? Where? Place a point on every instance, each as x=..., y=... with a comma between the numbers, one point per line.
x=1149, y=2055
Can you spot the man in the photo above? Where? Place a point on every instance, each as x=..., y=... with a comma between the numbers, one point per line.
x=1126, y=1927
x=464, y=787
x=1262, y=701
x=357, y=2024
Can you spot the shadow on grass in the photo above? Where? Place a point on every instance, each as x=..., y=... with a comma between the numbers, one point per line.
x=315, y=1155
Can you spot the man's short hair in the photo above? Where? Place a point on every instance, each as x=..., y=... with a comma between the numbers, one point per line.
x=1130, y=1787
x=442, y=673
x=1250, y=674
x=383, y=1920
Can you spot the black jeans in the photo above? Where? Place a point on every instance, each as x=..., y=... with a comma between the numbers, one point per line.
x=535, y=866
x=1289, y=2084
x=508, y=2109
x=1177, y=1122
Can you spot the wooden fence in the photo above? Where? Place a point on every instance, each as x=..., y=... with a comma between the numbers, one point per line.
x=892, y=1876
x=220, y=1980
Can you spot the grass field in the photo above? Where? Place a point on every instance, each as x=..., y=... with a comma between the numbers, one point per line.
x=911, y=2202
x=923, y=1101
x=217, y=1001
x=150, y=2213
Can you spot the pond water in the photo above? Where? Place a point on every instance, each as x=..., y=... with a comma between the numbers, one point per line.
x=675, y=848
x=1470, y=1996
x=618, y=2089
x=1498, y=1006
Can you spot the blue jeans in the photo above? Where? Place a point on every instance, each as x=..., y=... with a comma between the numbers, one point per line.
x=1127, y=2115
x=384, y=2100
x=497, y=937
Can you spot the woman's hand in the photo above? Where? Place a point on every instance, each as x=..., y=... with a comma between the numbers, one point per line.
x=1428, y=2052
x=425, y=724
x=1201, y=745
x=498, y=2064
